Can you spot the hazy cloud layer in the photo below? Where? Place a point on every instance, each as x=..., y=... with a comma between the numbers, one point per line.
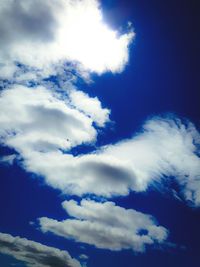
x=45, y=34
x=34, y=254
x=107, y=226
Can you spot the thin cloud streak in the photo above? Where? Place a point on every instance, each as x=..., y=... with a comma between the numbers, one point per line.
x=35, y=254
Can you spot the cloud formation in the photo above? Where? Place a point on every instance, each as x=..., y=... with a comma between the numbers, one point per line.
x=43, y=116
x=34, y=254
x=43, y=35
x=90, y=106
x=38, y=122
x=43, y=125
x=165, y=148
x=37, y=119
x=106, y=226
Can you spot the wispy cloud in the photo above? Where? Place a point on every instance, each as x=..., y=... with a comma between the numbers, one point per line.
x=83, y=257
x=9, y=159
x=107, y=226
x=35, y=254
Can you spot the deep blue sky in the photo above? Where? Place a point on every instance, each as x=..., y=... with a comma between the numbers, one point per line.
x=162, y=76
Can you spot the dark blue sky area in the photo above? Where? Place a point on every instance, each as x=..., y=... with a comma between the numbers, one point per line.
x=163, y=72
x=162, y=77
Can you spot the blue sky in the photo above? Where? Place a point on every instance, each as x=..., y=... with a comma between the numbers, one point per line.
x=99, y=133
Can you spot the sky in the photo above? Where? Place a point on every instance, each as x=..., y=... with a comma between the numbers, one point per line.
x=100, y=133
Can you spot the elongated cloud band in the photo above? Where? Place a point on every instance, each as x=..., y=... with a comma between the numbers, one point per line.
x=107, y=226
x=38, y=123
x=35, y=254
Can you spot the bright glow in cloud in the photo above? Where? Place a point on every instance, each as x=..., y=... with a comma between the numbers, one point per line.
x=96, y=46
x=107, y=226
x=35, y=254
x=43, y=35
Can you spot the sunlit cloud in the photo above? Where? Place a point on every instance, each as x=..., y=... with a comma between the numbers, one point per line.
x=106, y=225
x=37, y=119
x=45, y=47
x=154, y=155
x=43, y=35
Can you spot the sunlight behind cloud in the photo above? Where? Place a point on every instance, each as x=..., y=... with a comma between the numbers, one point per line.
x=87, y=38
x=71, y=31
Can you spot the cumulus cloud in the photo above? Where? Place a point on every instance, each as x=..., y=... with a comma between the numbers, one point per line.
x=86, y=174
x=90, y=106
x=37, y=119
x=34, y=254
x=40, y=123
x=165, y=148
x=45, y=34
x=106, y=226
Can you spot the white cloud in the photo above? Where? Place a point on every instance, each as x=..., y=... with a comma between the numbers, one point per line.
x=93, y=174
x=83, y=257
x=46, y=34
x=7, y=71
x=9, y=159
x=107, y=226
x=38, y=122
x=34, y=254
x=90, y=106
x=37, y=119
x=166, y=148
